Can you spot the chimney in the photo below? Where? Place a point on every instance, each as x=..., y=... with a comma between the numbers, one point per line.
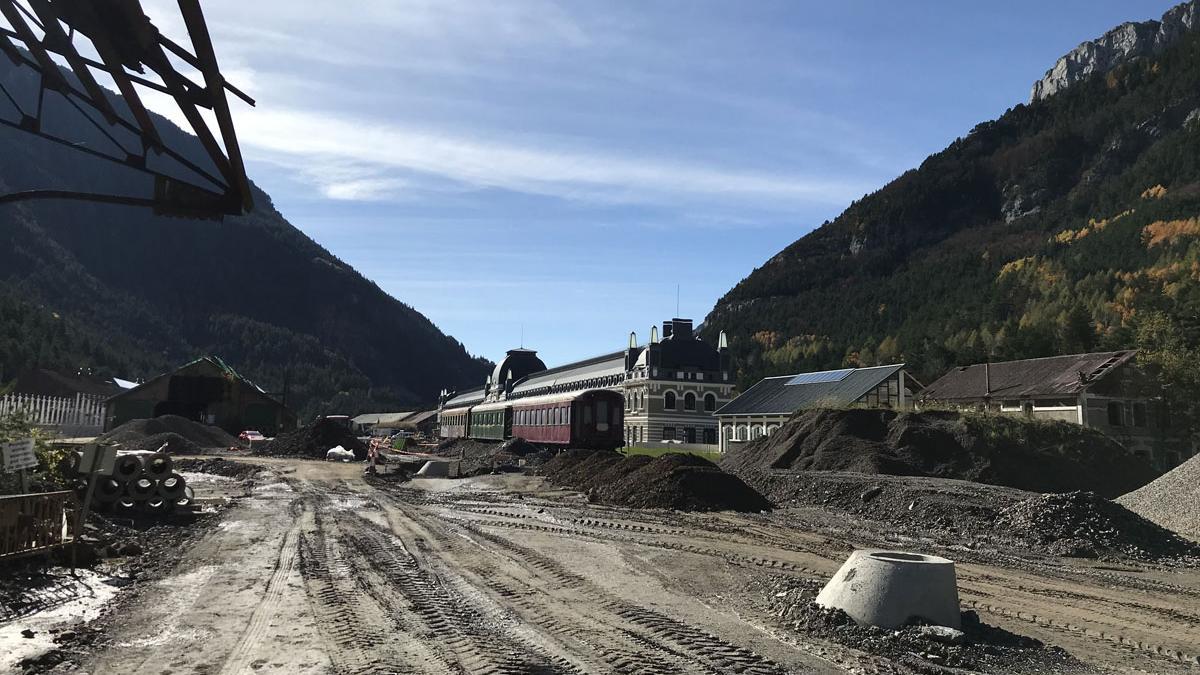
x=681, y=329
x=667, y=327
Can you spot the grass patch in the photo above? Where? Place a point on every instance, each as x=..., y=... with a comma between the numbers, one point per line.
x=658, y=452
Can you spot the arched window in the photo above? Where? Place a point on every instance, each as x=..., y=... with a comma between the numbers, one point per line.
x=710, y=402
x=669, y=400
x=772, y=429
x=743, y=433
x=689, y=401
x=728, y=433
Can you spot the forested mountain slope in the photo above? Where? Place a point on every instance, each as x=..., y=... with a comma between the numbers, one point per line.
x=1066, y=225
x=128, y=293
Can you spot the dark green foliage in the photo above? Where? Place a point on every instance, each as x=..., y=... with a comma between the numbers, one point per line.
x=1063, y=226
x=131, y=294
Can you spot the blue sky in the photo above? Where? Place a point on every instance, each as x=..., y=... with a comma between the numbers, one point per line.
x=559, y=167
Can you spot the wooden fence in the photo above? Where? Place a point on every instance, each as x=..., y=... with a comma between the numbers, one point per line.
x=79, y=416
x=33, y=523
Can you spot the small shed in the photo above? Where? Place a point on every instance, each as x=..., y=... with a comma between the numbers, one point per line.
x=206, y=390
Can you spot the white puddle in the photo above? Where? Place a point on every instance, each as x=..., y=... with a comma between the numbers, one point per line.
x=92, y=589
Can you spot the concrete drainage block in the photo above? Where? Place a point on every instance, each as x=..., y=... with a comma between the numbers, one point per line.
x=891, y=588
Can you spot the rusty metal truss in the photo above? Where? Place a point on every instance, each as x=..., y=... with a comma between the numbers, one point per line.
x=70, y=43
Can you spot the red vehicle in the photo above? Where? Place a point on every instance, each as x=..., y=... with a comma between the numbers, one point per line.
x=589, y=419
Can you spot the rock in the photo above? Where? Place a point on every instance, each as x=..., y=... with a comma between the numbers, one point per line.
x=1192, y=123
x=1118, y=46
x=871, y=493
x=26, y=633
x=943, y=634
x=130, y=548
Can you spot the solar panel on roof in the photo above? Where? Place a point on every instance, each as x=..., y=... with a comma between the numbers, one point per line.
x=821, y=378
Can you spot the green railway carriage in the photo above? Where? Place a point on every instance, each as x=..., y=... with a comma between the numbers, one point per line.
x=491, y=421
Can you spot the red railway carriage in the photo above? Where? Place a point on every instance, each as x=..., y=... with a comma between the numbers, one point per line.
x=587, y=419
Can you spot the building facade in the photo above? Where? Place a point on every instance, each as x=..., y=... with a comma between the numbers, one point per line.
x=1107, y=391
x=766, y=406
x=671, y=387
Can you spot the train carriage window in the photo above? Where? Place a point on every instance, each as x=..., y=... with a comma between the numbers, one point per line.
x=601, y=411
x=587, y=415
x=689, y=401
x=669, y=400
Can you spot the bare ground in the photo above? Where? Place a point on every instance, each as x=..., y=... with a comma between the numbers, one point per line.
x=321, y=572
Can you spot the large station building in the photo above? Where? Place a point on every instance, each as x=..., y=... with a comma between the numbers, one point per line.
x=671, y=385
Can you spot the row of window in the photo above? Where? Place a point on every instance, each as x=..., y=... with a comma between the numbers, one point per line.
x=749, y=432
x=494, y=418
x=543, y=417
x=1132, y=414
x=634, y=435
x=670, y=401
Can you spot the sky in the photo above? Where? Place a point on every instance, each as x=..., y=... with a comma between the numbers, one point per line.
x=558, y=174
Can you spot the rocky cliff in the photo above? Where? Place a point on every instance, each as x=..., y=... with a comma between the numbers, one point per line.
x=1120, y=45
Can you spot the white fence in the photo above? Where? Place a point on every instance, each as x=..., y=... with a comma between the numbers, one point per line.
x=79, y=416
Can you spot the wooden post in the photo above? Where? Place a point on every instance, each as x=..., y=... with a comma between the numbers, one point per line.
x=81, y=517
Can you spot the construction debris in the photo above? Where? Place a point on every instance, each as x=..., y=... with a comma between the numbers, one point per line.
x=141, y=482
x=679, y=481
x=314, y=441
x=1084, y=525
x=917, y=647
x=891, y=589
x=1172, y=501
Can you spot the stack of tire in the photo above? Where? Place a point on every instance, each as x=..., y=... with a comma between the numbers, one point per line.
x=141, y=482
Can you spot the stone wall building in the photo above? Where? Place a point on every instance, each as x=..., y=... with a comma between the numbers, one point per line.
x=1107, y=391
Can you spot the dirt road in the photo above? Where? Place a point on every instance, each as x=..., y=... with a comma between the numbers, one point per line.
x=320, y=572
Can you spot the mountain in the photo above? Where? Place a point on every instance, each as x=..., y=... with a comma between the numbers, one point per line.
x=125, y=292
x=1120, y=45
x=1068, y=224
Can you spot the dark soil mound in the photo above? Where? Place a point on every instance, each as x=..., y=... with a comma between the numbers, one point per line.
x=314, y=440
x=678, y=481
x=1082, y=524
x=183, y=435
x=479, y=457
x=980, y=648
x=218, y=466
x=981, y=448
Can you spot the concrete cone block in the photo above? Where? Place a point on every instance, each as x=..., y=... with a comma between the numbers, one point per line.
x=891, y=588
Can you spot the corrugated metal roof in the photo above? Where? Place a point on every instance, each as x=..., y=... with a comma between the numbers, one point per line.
x=382, y=419
x=466, y=398
x=1065, y=375
x=777, y=396
x=600, y=366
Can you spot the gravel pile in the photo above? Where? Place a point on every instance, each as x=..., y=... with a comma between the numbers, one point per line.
x=979, y=647
x=218, y=466
x=1172, y=501
x=314, y=441
x=1082, y=524
x=182, y=436
x=989, y=449
x=679, y=481
x=479, y=458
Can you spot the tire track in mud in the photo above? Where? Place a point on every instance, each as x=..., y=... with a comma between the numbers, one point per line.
x=238, y=660
x=355, y=641
x=658, y=642
x=475, y=645
x=1115, y=638
x=728, y=556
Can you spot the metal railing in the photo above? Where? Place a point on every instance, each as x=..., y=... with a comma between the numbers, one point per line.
x=35, y=522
